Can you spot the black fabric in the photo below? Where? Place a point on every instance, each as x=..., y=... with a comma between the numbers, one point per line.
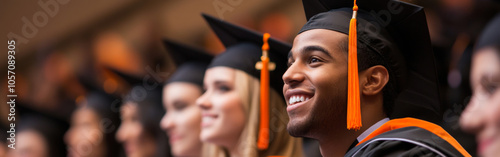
x=490, y=35
x=381, y=145
x=398, y=32
x=353, y=144
x=130, y=79
x=242, y=56
x=191, y=72
x=191, y=63
x=243, y=51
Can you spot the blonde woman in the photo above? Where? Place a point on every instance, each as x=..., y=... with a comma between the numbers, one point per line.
x=231, y=102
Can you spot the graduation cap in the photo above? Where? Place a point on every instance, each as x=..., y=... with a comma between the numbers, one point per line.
x=140, y=89
x=490, y=35
x=191, y=63
x=244, y=52
x=397, y=31
x=106, y=105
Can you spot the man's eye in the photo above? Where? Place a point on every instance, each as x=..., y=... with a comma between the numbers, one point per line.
x=314, y=60
x=290, y=62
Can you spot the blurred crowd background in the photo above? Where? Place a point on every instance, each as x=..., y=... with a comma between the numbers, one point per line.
x=78, y=40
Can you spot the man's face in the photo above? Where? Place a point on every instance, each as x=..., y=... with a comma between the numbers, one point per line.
x=316, y=82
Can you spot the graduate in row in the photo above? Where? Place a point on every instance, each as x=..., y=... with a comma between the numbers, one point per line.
x=218, y=112
x=481, y=117
x=140, y=113
x=362, y=81
x=182, y=121
x=243, y=111
x=94, y=123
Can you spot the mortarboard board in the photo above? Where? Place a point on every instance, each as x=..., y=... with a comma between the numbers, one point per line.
x=106, y=105
x=398, y=32
x=243, y=52
x=142, y=90
x=128, y=78
x=191, y=63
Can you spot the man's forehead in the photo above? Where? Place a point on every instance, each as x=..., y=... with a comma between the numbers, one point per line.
x=329, y=40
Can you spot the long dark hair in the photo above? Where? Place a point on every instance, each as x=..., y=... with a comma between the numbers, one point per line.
x=105, y=107
x=150, y=112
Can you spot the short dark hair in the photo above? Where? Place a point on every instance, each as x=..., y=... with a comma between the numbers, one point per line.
x=367, y=58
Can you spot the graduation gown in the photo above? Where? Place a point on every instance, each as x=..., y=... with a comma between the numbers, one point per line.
x=408, y=137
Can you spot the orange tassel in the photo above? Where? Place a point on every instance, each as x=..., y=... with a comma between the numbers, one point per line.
x=263, y=141
x=353, y=102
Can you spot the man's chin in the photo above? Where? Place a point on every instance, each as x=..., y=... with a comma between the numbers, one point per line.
x=298, y=128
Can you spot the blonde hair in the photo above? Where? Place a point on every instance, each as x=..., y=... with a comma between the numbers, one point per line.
x=280, y=142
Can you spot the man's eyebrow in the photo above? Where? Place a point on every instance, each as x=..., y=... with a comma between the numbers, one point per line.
x=309, y=49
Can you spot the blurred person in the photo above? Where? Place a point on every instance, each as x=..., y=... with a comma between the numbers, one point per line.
x=38, y=134
x=387, y=106
x=481, y=116
x=183, y=118
x=230, y=104
x=94, y=124
x=139, y=132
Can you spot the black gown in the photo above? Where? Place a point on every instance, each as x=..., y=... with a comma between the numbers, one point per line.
x=408, y=137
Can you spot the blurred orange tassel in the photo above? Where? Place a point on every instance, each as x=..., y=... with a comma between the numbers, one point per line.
x=263, y=141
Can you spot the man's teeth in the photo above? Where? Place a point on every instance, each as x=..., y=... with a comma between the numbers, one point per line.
x=297, y=99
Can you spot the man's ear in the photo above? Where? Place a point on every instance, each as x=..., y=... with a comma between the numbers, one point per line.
x=373, y=80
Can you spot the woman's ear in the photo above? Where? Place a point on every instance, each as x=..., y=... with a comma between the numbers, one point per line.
x=373, y=80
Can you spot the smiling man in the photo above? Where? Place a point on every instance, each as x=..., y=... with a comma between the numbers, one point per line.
x=395, y=87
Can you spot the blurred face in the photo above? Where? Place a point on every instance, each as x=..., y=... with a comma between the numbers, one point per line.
x=482, y=115
x=316, y=82
x=29, y=144
x=183, y=118
x=131, y=133
x=223, y=116
x=84, y=137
